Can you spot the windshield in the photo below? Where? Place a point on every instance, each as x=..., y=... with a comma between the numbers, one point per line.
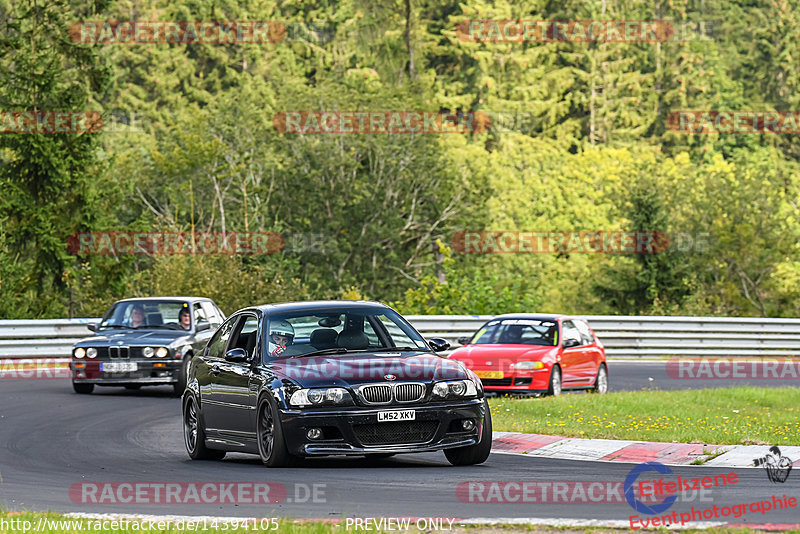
x=340, y=331
x=518, y=332
x=144, y=314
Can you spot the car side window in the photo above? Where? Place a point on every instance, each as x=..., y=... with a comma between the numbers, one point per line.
x=570, y=332
x=216, y=347
x=586, y=333
x=213, y=315
x=246, y=333
x=199, y=313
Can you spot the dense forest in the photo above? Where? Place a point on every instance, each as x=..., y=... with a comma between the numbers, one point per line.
x=579, y=139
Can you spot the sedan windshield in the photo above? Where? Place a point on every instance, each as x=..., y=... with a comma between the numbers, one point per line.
x=518, y=332
x=144, y=314
x=341, y=331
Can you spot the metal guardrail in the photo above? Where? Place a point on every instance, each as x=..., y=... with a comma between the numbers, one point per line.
x=623, y=336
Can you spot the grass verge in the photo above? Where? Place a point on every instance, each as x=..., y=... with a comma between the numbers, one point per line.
x=730, y=416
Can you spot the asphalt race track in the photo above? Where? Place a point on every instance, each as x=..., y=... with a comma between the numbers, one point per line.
x=52, y=439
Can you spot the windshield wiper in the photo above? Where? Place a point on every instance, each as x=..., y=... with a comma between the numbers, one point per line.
x=335, y=350
x=395, y=349
x=116, y=326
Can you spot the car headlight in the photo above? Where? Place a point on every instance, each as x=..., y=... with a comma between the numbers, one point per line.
x=91, y=352
x=320, y=397
x=148, y=352
x=459, y=389
x=161, y=352
x=527, y=366
x=79, y=352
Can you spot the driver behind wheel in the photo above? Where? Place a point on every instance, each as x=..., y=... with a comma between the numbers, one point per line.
x=281, y=335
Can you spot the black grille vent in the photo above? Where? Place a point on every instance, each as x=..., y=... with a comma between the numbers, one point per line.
x=409, y=392
x=377, y=394
x=489, y=382
x=119, y=353
x=396, y=432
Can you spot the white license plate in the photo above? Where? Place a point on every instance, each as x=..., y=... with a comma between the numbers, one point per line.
x=404, y=415
x=118, y=367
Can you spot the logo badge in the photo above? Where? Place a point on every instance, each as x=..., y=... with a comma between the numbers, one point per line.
x=390, y=377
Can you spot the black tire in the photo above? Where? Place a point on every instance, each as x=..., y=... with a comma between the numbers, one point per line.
x=180, y=386
x=269, y=435
x=601, y=381
x=194, y=435
x=478, y=453
x=83, y=389
x=554, y=389
x=133, y=387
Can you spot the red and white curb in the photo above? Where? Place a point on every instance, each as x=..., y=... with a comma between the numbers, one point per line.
x=609, y=450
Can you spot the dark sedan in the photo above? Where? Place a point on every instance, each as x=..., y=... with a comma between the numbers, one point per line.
x=331, y=378
x=144, y=341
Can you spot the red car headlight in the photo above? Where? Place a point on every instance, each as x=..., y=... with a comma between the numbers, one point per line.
x=527, y=366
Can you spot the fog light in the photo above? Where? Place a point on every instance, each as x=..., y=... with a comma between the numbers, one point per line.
x=468, y=424
x=314, y=433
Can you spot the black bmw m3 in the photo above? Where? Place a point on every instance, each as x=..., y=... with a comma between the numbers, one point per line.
x=326, y=378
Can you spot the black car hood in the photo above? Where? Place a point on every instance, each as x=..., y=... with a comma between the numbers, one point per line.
x=355, y=369
x=143, y=337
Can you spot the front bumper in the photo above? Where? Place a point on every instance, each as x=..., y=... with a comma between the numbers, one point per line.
x=345, y=431
x=148, y=371
x=534, y=381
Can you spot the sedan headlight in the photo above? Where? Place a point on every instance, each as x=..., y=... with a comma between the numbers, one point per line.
x=161, y=352
x=321, y=397
x=91, y=352
x=527, y=366
x=456, y=389
x=79, y=352
x=148, y=352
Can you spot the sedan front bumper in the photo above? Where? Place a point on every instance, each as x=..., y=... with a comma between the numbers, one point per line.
x=149, y=371
x=356, y=431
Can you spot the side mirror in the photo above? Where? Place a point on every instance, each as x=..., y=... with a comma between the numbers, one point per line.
x=571, y=343
x=237, y=355
x=92, y=327
x=202, y=325
x=464, y=340
x=438, y=344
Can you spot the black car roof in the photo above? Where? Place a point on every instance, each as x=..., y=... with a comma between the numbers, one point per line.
x=536, y=316
x=312, y=305
x=165, y=298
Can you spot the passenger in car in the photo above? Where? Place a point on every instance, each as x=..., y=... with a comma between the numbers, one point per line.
x=137, y=316
x=185, y=319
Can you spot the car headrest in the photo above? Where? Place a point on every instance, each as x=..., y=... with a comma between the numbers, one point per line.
x=323, y=338
x=352, y=339
x=155, y=319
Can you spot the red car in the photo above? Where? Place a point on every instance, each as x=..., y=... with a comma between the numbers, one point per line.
x=536, y=353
